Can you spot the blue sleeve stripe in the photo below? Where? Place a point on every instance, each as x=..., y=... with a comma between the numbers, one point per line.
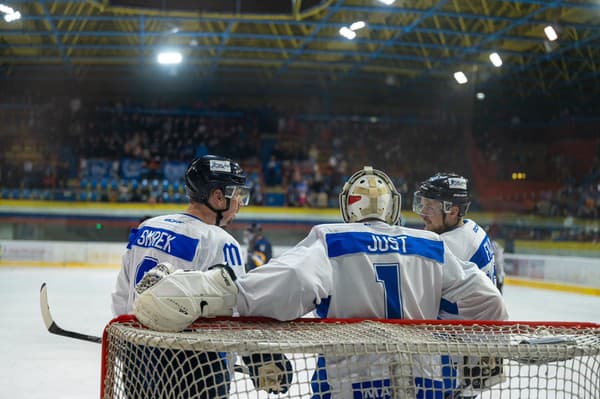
x=483, y=255
x=178, y=245
x=339, y=244
x=448, y=306
x=323, y=308
x=132, y=235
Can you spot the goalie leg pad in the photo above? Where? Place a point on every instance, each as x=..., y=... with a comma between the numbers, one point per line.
x=179, y=298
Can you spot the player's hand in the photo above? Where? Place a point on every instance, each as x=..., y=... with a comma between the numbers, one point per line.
x=270, y=372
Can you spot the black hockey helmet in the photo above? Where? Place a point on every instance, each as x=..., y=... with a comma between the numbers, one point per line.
x=210, y=172
x=449, y=188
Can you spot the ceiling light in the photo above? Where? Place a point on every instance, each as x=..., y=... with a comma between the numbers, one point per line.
x=9, y=13
x=387, y=2
x=460, y=77
x=347, y=33
x=169, y=58
x=496, y=60
x=550, y=33
x=12, y=17
x=358, y=25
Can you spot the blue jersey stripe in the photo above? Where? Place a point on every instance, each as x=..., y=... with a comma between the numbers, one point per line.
x=448, y=306
x=178, y=245
x=484, y=253
x=339, y=244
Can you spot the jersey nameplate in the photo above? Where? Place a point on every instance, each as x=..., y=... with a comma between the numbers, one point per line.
x=346, y=243
x=174, y=244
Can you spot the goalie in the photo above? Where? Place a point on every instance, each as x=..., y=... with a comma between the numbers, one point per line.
x=368, y=267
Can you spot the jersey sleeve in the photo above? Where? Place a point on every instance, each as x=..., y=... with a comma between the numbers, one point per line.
x=120, y=296
x=290, y=285
x=467, y=293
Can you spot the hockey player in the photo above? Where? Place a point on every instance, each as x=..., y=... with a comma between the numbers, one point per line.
x=442, y=201
x=260, y=250
x=368, y=267
x=191, y=240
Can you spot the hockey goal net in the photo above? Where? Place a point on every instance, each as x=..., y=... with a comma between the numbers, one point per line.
x=352, y=359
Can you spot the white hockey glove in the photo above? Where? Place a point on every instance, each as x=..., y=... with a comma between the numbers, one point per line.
x=272, y=373
x=175, y=300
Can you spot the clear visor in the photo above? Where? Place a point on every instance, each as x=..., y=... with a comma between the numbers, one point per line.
x=428, y=207
x=241, y=193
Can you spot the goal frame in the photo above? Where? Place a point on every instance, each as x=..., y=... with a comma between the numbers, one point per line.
x=471, y=325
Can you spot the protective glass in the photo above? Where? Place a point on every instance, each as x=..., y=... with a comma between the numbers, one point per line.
x=426, y=206
x=242, y=193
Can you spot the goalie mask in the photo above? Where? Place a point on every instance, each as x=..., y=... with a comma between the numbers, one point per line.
x=446, y=190
x=370, y=194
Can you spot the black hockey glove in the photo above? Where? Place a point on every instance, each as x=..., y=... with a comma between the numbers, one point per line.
x=479, y=374
x=271, y=372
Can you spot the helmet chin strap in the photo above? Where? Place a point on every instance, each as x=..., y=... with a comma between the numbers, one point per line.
x=447, y=227
x=218, y=212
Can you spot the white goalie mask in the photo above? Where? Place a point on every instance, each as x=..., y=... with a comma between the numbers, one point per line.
x=370, y=194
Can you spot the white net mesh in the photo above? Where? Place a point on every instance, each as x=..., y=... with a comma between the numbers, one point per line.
x=351, y=359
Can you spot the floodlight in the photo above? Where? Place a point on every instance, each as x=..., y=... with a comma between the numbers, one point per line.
x=387, y=2
x=460, y=77
x=347, y=33
x=480, y=96
x=358, y=25
x=6, y=9
x=9, y=13
x=169, y=58
x=550, y=33
x=12, y=17
x=496, y=60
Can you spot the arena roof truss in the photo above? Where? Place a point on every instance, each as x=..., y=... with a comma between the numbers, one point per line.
x=239, y=42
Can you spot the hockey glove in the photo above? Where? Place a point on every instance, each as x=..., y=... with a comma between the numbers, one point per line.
x=153, y=276
x=480, y=374
x=270, y=372
x=177, y=299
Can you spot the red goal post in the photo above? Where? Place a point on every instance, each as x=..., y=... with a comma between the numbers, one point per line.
x=364, y=358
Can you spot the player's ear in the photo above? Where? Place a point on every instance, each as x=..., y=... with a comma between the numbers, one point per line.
x=455, y=211
x=218, y=195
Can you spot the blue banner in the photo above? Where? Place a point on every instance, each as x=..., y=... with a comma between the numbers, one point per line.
x=132, y=168
x=173, y=171
x=97, y=168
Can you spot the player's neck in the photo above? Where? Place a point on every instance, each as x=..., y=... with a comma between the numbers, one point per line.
x=202, y=212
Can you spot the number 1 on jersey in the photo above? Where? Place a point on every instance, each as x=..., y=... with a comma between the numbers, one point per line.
x=389, y=275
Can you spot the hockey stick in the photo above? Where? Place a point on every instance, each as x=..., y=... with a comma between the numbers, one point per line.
x=54, y=328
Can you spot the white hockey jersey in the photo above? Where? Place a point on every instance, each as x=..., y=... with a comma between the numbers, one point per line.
x=367, y=270
x=471, y=242
x=180, y=239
